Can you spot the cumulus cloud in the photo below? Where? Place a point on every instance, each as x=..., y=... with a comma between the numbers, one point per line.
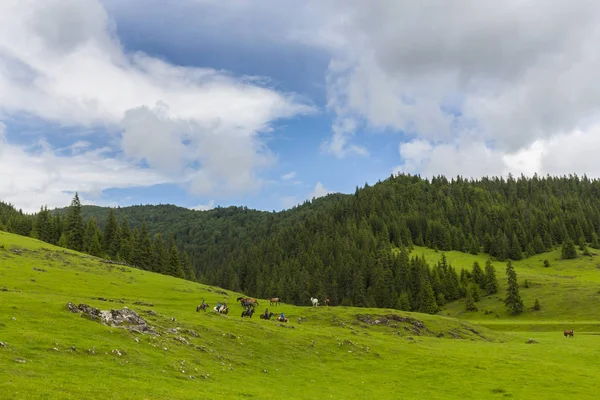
x=39, y=175
x=562, y=154
x=60, y=60
x=205, y=207
x=318, y=191
x=509, y=73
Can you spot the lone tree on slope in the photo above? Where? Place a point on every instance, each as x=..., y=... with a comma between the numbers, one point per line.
x=513, y=300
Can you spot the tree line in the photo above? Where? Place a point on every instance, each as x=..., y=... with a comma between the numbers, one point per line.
x=348, y=247
x=117, y=241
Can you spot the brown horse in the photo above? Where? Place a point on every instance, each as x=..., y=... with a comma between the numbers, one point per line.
x=202, y=307
x=245, y=301
x=274, y=300
x=569, y=333
x=327, y=301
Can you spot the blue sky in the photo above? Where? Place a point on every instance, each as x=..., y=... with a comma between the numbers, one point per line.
x=268, y=103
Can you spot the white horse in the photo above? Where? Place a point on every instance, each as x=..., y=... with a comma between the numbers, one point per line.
x=315, y=302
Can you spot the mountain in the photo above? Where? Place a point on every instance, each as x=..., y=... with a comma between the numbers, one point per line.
x=340, y=245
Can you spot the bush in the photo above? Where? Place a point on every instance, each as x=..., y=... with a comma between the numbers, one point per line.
x=546, y=263
x=526, y=284
x=537, y=306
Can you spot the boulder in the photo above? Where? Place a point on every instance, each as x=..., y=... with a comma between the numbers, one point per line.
x=123, y=318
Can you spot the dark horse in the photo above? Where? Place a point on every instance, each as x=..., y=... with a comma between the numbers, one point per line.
x=248, y=313
x=327, y=301
x=263, y=316
x=202, y=307
x=274, y=300
x=569, y=333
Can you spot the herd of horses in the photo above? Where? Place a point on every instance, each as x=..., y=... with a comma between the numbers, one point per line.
x=249, y=304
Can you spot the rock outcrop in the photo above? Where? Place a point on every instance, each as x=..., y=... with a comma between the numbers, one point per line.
x=123, y=318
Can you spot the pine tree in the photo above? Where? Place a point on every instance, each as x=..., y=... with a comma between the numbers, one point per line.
x=189, y=273
x=426, y=298
x=475, y=292
x=513, y=301
x=581, y=243
x=595, y=244
x=74, y=228
x=568, y=250
x=95, y=246
x=174, y=263
x=403, y=302
x=470, y=301
x=111, y=237
x=62, y=242
x=477, y=275
x=160, y=256
x=515, y=248
x=91, y=232
x=491, y=283
x=142, y=252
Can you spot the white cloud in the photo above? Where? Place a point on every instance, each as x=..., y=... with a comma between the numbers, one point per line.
x=319, y=191
x=205, y=207
x=562, y=154
x=61, y=61
x=517, y=75
x=31, y=177
x=288, y=176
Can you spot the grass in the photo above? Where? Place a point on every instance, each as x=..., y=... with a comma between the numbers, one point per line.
x=330, y=354
x=568, y=291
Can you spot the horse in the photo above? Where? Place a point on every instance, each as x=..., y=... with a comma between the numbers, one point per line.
x=315, y=302
x=245, y=301
x=202, y=307
x=274, y=300
x=263, y=316
x=221, y=310
x=569, y=333
x=248, y=313
x=327, y=301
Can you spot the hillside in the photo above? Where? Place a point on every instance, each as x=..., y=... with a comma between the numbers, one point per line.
x=339, y=246
x=334, y=352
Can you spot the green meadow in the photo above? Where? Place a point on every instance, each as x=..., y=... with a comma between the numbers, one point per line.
x=48, y=352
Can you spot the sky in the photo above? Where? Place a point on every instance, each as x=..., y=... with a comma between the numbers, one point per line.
x=269, y=103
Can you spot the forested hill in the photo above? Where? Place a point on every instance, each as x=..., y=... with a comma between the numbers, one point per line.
x=340, y=245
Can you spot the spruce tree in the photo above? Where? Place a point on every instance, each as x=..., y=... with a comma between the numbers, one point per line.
x=426, y=298
x=142, y=252
x=477, y=275
x=469, y=300
x=491, y=283
x=568, y=250
x=111, y=235
x=74, y=228
x=595, y=244
x=513, y=301
x=174, y=262
x=515, y=248
x=403, y=302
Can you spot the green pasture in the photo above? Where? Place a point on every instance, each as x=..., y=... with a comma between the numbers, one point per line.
x=330, y=353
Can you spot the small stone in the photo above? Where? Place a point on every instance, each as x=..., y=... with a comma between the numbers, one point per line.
x=55, y=349
x=264, y=371
x=2, y=344
x=14, y=319
x=73, y=348
x=20, y=360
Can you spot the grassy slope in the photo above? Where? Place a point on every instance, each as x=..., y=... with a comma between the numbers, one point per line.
x=569, y=292
x=331, y=355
